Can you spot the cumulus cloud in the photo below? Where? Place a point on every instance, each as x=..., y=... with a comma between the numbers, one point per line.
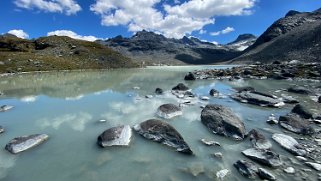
x=71, y=34
x=19, y=33
x=225, y=31
x=67, y=7
x=171, y=20
x=201, y=32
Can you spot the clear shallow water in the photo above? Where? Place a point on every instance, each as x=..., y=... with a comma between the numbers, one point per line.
x=68, y=107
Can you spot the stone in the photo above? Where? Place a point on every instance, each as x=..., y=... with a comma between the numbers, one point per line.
x=190, y=76
x=289, y=99
x=214, y=93
x=204, y=98
x=289, y=170
x=1, y=129
x=319, y=99
x=218, y=155
x=302, y=111
x=264, y=157
x=136, y=88
x=210, y=143
x=5, y=108
x=222, y=174
x=301, y=158
x=315, y=166
x=159, y=91
x=222, y=121
x=265, y=175
x=246, y=168
x=102, y=121
x=256, y=98
x=289, y=144
x=258, y=140
x=180, y=87
x=115, y=136
x=23, y=143
x=299, y=90
x=168, y=111
x=163, y=133
x=272, y=120
x=149, y=96
x=296, y=124
x=242, y=89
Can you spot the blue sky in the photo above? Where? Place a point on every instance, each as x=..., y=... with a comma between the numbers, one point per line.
x=211, y=20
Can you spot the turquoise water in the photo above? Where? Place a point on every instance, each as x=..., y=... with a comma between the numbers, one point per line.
x=68, y=106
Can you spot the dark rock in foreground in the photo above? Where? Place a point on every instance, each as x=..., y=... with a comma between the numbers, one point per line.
x=164, y=133
x=190, y=76
x=159, y=91
x=319, y=99
x=264, y=157
x=265, y=175
x=302, y=111
x=1, y=129
x=257, y=98
x=222, y=121
x=296, y=124
x=180, y=87
x=290, y=144
x=169, y=111
x=24, y=143
x=214, y=92
x=258, y=140
x=115, y=136
x=299, y=90
x=246, y=168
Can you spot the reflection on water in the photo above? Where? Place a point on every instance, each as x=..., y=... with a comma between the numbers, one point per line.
x=68, y=107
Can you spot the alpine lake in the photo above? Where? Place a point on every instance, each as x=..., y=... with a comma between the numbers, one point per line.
x=74, y=108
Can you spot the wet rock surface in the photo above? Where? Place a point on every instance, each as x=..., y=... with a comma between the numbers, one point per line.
x=264, y=157
x=222, y=121
x=246, y=168
x=180, y=87
x=115, y=136
x=168, y=111
x=258, y=140
x=257, y=98
x=289, y=144
x=302, y=111
x=164, y=133
x=23, y=143
x=296, y=124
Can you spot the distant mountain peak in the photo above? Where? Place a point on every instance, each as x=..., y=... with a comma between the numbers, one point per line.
x=292, y=13
x=243, y=37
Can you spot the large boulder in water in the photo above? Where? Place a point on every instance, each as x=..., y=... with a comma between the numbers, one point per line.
x=190, y=76
x=23, y=143
x=222, y=121
x=258, y=140
x=169, y=111
x=296, y=124
x=246, y=168
x=290, y=144
x=264, y=157
x=299, y=90
x=180, y=87
x=257, y=98
x=164, y=133
x=302, y=111
x=115, y=136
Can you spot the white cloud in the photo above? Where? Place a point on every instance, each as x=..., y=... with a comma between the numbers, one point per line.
x=172, y=21
x=201, y=32
x=67, y=7
x=225, y=31
x=71, y=34
x=19, y=33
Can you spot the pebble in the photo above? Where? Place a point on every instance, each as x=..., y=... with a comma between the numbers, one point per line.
x=289, y=170
x=218, y=155
x=102, y=121
x=149, y=96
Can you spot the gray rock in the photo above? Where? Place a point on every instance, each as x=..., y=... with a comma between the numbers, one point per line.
x=5, y=108
x=222, y=121
x=319, y=99
x=289, y=170
x=164, y=133
x=169, y=111
x=264, y=157
x=1, y=129
x=302, y=111
x=296, y=124
x=246, y=168
x=222, y=174
x=218, y=155
x=159, y=91
x=272, y=120
x=210, y=142
x=315, y=166
x=214, y=92
x=257, y=98
x=290, y=144
x=115, y=136
x=265, y=175
x=24, y=143
x=289, y=99
x=190, y=76
x=299, y=90
x=258, y=140
x=180, y=87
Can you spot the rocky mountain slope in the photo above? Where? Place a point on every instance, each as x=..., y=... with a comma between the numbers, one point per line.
x=151, y=48
x=56, y=53
x=297, y=36
x=242, y=42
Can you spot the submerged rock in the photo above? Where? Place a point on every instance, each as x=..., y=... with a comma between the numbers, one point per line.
x=115, y=136
x=190, y=76
x=5, y=108
x=296, y=124
x=210, y=143
x=290, y=144
x=169, y=111
x=222, y=174
x=242, y=89
x=246, y=168
x=272, y=120
x=214, y=92
x=302, y=111
x=159, y=91
x=256, y=98
x=264, y=157
x=289, y=99
x=164, y=133
x=265, y=175
x=289, y=170
x=24, y=143
x=195, y=169
x=222, y=121
x=258, y=140
x=180, y=87
x=1, y=129
x=299, y=90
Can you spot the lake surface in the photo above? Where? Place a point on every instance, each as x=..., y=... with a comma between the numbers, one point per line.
x=68, y=106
